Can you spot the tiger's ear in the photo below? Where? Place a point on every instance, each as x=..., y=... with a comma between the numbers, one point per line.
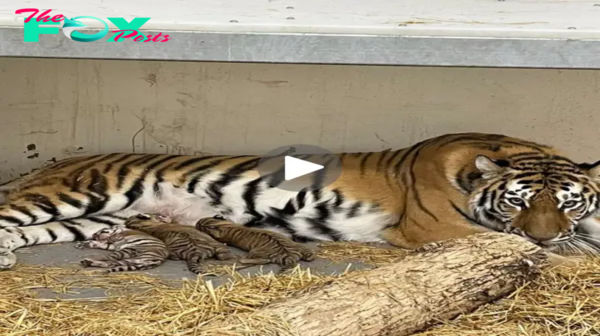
x=488, y=167
x=592, y=170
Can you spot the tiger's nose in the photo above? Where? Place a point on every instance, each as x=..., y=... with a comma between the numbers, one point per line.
x=529, y=237
x=540, y=241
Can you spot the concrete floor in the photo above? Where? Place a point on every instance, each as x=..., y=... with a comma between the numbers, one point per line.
x=66, y=255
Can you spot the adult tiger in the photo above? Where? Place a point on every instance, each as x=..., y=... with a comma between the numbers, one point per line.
x=444, y=187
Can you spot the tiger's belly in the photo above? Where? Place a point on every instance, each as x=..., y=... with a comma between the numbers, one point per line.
x=176, y=203
x=321, y=217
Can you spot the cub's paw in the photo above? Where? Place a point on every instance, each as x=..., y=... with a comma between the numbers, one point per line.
x=224, y=255
x=90, y=244
x=7, y=259
x=252, y=262
x=308, y=254
x=97, y=271
x=87, y=262
x=288, y=261
x=286, y=258
x=83, y=245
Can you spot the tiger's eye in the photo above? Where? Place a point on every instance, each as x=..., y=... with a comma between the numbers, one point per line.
x=569, y=204
x=516, y=202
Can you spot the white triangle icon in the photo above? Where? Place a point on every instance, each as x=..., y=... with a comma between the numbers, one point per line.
x=295, y=168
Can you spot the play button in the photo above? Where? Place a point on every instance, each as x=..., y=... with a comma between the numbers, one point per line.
x=299, y=167
x=295, y=168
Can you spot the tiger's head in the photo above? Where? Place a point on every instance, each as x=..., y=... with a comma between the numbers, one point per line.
x=542, y=198
x=134, y=221
x=214, y=226
x=104, y=234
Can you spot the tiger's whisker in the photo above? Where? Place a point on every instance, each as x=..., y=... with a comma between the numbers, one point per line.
x=594, y=250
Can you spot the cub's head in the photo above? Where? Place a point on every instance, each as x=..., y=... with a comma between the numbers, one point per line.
x=214, y=226
x=104, y=234
x=539, y=197
x=146, y=219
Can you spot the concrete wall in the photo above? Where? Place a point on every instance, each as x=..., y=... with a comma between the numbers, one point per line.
x=60, y=108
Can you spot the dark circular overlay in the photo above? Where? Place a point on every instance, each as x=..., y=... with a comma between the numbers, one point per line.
x=272, y=167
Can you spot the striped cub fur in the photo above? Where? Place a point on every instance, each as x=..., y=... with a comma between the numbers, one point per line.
x=263, y=246
x=132, y=250
x=183, y=242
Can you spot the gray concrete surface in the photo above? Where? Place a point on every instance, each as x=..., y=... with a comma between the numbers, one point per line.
x=66, y=255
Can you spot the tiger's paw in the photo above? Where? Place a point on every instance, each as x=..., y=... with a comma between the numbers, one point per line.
x=287, y=262
x=7, y=259
x=568, y=261
x=224, y=255
x=308, y=255
x=82, y=245
x=252, y=262
x=89, y=244
x=86, y=262
x=286, y=258
x=97, y=271
x=90, y=262
x=10, y=241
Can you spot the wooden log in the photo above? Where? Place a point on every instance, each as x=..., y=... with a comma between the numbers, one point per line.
x=435, y=283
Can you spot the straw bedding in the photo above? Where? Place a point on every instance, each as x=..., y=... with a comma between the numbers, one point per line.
x=562, y=302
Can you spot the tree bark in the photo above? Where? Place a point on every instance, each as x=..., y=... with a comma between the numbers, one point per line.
x=437, y=282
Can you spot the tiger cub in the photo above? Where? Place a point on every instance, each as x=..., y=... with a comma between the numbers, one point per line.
x=133, y=250
x=184, y=242
x=263, y=246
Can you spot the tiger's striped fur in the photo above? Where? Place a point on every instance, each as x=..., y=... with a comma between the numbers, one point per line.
x=184, y=242
x=264, y=246
x=407, y=197
x=540, y=198
x=132, y=250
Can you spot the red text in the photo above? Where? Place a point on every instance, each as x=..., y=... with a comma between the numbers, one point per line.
x=42, y=17
x=133, y=33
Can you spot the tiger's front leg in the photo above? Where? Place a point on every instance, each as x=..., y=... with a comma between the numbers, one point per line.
x=411, y=237
x=38, y=209
x=82, y=229
x=410, y=234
